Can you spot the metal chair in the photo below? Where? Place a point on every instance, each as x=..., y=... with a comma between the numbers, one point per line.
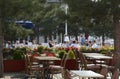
x=104, y=72
x=116, y=74
x=85, y=65
x=58, y=69
x=111, y=64
x=32, y=66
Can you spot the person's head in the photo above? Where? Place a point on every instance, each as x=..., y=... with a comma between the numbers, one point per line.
x=81, y=35
x=17, y=41
x=65, y=35
x=94, y=41
x=9, y=42
x=74, y=41
x=89, y=41
x=50, y=41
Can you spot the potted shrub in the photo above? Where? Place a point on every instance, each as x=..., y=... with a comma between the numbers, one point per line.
x=48, y=51
x=7, y=53
x=18, y=55
x=16, y=63
x=70, y=55
x=61, y=53
x=40, y=49
x=71, y=62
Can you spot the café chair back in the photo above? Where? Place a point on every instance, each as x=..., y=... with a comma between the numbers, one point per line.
x=104, y=72
x=32, y=66
x=86, y=66
x=58, y=69
x=116, y=74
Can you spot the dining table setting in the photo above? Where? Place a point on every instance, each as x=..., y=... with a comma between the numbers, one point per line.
x=47, y=61
x=81, y=74
x=97, y=56
x=85, y=74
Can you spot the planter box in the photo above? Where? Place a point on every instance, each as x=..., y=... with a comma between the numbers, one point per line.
x=71, y=64
x=14, y=65
x=19, y=65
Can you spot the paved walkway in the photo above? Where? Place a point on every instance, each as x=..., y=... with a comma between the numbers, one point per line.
x=13, y=75
x=23, y=76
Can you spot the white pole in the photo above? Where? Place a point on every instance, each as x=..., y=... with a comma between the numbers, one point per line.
x=66, y=26
x=61, y=37
x=66, y=32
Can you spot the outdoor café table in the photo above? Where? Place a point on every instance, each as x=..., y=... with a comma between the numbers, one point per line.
x=46, y=62
x=97, y=56
x=85, y=74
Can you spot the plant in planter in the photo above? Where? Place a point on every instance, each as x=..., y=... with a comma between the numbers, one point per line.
x=61, y=53
x=105, y=49
x=18, y=55
x=40, y=49
x=13, y=54
x=71, y=63
x=7, y=53
x=24, y=49
x=70, y=55
x=15, y=61
x=83, y=49
x=49, y=51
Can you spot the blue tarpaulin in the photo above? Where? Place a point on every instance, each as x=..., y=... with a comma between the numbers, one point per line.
x=25, y=24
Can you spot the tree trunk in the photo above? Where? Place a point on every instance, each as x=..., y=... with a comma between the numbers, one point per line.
x=103, y=39
x=116, y=34
x=1, y=46
x=38, y=41
x=117, y=38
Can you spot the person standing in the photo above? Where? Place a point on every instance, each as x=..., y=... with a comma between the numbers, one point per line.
x=66, y=39
x=82, y=41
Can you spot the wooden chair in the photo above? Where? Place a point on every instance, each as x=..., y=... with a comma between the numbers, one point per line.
x=106, y=61
x=32, y=66
x=104, y=72
x=111, y=63
x=77, y=58
x=85, y=65
x=67, y=74
x=26, y=58
x=80, y=60
x=115, y=74
x=26, y=63
x=56, y=69
x=114, y=60
x=35, y=61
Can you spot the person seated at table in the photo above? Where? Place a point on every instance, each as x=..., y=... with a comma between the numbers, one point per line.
x=94, y=45
x=74, y=44
x=50, y=44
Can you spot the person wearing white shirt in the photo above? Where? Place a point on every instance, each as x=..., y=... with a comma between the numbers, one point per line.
x=66, y=39
x=75, y=44
x=94, y=45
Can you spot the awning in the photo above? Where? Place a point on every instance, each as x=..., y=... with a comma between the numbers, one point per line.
x=25, y=24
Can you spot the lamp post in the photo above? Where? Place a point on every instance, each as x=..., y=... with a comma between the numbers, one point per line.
x=66, y=25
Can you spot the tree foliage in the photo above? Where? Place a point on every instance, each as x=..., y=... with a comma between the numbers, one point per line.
x=12, y=11
x=99, y=14
x=90, y=14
